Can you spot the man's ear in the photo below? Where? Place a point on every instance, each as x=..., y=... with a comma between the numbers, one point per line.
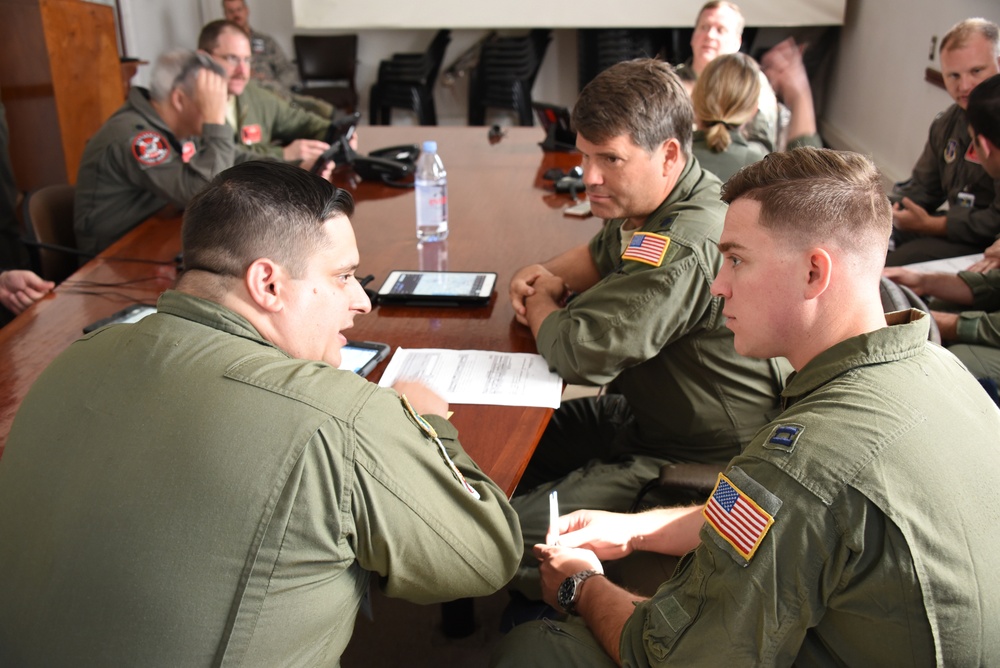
x=671, y=155
x=264, y=281
x=820, y=269
x=177, y=100
x=985, y=145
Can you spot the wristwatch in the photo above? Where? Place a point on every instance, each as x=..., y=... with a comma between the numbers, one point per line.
x=569, y=590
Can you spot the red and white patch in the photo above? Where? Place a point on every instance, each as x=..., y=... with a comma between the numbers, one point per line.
x=250, y=134
x=187, y=151
x=150, y=148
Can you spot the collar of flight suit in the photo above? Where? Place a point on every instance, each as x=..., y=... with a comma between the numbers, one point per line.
x=210, y=314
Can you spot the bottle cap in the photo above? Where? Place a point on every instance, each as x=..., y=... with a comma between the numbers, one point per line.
x=430, y=146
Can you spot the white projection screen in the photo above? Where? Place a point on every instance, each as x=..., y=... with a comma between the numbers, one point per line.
x=415, y=14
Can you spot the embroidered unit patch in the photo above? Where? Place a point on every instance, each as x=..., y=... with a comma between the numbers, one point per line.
x=251, y=134
x=150, y=148
x=647, y=247
x=187, y=151
x=737, y=519
x=951, y=151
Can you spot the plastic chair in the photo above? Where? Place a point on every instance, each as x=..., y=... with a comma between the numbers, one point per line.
x=48, y=220
x=327, y=66
x=406, y=81
x=505, y=75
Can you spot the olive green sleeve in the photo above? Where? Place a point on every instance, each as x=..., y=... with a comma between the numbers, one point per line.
x=627, y=318
x=981, y=326
x=176, y=181
x=417, y=524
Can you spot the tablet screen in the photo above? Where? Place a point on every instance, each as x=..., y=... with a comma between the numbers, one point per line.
x=437, y=284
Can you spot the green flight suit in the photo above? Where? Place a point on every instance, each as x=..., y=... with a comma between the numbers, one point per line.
x=978, y=343
x=265, y=123
x=134, y=166
x=679, y=390
x=740, y=152
x=883, y=549
x=181, y=492
x=942, y=174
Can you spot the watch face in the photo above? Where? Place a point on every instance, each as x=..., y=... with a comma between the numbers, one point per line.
x=566, y=594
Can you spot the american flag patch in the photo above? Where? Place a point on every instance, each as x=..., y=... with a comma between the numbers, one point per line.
x=647, y=247
x=734, y=515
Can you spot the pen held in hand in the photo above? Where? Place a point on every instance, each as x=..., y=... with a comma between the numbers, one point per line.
x=552, y=537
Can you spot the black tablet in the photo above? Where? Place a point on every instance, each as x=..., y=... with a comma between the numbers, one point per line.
x=362, y=356
x=437, y=288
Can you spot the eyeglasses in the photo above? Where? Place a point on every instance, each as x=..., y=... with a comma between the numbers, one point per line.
x=235, y=60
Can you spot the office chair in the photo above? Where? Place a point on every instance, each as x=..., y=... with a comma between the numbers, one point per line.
x=327, y=66
x=48, y=219
x=406, y=81
x=505, y=75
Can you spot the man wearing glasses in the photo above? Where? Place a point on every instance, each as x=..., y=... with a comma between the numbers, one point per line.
x=265, y=124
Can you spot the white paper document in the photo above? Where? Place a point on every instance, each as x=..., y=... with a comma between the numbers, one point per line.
x=478, y=376
x=949, y=265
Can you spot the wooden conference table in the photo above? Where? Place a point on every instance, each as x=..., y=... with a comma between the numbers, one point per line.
x=500, y=218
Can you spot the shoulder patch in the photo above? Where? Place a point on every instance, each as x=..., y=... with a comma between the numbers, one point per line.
x=251, y=134
x=736, y=518
x=783, y=437
x=150, y=148
x=647, y=247
x=188, y=149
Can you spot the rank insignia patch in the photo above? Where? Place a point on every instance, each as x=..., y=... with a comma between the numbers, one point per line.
x=251, y=134
x=150, y=148
x=737, y=518
x=951, y=151
x=647, y=247
x=783, y=437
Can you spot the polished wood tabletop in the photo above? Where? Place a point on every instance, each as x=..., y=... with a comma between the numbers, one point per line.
x=502, y=215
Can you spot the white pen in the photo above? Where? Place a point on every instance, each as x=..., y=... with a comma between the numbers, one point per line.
x=553, y=534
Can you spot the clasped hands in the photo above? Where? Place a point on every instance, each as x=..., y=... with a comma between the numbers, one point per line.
x=535, y=281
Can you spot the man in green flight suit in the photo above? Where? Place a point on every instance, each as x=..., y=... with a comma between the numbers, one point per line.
x=205, y=487
x=837, y=537
x=973, y=335
x=265, y=124
x=633, y=308
x=144, y=158
x=970, y=54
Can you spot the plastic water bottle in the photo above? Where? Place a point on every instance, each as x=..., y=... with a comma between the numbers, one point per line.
x=431, y=183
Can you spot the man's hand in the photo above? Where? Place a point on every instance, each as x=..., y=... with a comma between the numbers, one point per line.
x=304, y=150
x=423, y=399
x=911, y=217
x=608, y=535
x=210, y=95
x=19, y=289
x=911, y=279
x=556, y=563
x=991, y=259
x=947, y=324
x=783, y=66
x=522, y=287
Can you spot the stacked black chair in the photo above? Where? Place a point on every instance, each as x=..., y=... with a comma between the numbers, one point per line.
x=406, y=81
x=505, y=75
x=327, y=67
x=600, y=48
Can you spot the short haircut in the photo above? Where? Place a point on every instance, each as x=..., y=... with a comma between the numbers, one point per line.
x=819, y=196
x=208, y=39
x=725, y=97
x=983, y=111
x=260, y=209
x=715, y=4
x=641, y=98
x=960, y=34
x=177, y=68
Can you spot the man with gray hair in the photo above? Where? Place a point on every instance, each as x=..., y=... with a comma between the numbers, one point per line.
x=144, y=158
